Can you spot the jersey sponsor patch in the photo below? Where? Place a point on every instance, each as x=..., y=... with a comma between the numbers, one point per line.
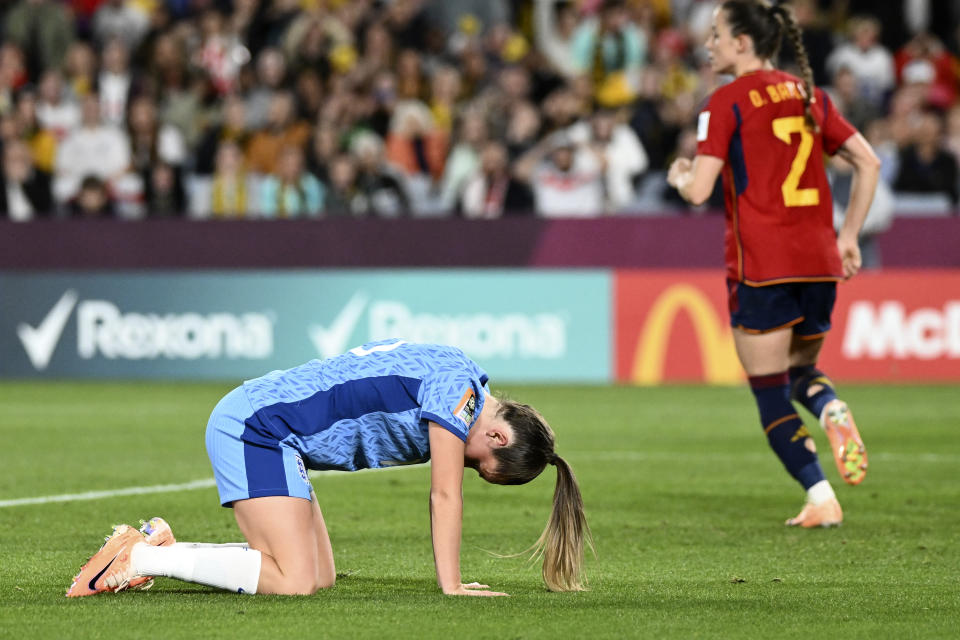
x=466, y=407
x=703, y=126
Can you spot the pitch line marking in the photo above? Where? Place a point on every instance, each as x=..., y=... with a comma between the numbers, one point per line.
x=207, y=483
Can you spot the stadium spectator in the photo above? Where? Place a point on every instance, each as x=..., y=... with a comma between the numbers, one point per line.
x=270, y=79
x=408, y=24
x=56, y=110
x=308, y=90
x=122, y=19
x=42, y=143
x=953, y=132
x=906, y=106
x=150, y=140
x=925, y=165
x=610, y=49
x=230, y=126
x=283, y=129
x=817, y=39
x=879, y=136
x=115, y=82
x=92, y=200
x=417, y=149
x=220, y=53
x=845, y=95
x=411, y=84
x=92, y=149
x=924, y=60
x=164, y=195
x=43, y=31
x=80, y=69
x=381, y=193
x=444, y=97
x=566, y=178
x=523, y=129
x=342, y=193
x=868, y=60
x=464, y=159
x=625, y=157
x=491, y=191
x=232, y=192
x=292, y=191
x=309, y=40
x=13, y=75
x=323, y=148
x=26, y=190
x=554, y=24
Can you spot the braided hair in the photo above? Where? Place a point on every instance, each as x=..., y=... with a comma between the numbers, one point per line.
x=766, y=25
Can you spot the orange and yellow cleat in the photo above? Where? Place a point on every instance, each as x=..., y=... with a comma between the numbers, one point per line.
x=825, y=514
x=158, y=533
x=112, y=560
x=848, y=450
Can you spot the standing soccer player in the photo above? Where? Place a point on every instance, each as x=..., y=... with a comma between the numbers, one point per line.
x=383, y=404
x=767, y=132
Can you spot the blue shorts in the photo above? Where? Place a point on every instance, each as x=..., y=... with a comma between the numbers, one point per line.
x=804, y=306
x=245, y=463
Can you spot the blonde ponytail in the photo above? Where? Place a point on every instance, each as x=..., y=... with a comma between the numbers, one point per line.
x=563, y=540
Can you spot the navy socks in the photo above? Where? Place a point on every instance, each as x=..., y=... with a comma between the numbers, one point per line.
x=802, y=379
x=785, y=431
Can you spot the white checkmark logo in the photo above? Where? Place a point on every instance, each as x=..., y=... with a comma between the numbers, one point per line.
x=331, y=341
x=40, y=342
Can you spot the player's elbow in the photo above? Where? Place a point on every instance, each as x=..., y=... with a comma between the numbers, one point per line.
x=870, y=163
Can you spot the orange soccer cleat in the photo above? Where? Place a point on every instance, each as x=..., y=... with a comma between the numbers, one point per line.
x=111, y=560
x=156, y=532
x=825, y=514
x=848, y=450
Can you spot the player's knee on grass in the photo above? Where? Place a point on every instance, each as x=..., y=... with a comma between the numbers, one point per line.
x=307, y=580
x=301, y=585
x=326, y=578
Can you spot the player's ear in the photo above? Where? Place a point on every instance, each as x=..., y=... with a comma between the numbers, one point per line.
x=498, y=437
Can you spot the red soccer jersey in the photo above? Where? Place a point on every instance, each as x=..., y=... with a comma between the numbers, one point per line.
x=778, y=202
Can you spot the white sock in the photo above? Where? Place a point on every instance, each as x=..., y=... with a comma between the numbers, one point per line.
x=232, y=568
x=820, y=492
x=211, y=545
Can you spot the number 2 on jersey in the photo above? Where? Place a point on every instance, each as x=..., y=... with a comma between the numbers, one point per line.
x=793, y=196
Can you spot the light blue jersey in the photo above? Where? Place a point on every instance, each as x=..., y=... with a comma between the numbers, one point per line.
x=367, y=408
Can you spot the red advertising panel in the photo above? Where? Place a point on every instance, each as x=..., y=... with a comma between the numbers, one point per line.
x=673, y=326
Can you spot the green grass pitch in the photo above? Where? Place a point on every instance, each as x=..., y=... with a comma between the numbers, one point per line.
x=685, y=499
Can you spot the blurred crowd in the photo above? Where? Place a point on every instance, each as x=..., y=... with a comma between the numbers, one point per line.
x=386, y=108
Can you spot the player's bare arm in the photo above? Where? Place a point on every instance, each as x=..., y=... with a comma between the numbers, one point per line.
x=446, y=511
x=866, y=171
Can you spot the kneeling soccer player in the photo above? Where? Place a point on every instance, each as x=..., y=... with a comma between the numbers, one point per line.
x=382, y=404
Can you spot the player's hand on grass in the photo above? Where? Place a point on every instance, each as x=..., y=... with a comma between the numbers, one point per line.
x=474, y=589
x=850, y=255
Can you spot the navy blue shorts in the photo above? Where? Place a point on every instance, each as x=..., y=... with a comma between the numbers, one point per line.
x=804, y=306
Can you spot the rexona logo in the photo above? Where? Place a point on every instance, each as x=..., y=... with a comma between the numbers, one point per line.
x=482, y=335
x=886, y=330
x=103, y=330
